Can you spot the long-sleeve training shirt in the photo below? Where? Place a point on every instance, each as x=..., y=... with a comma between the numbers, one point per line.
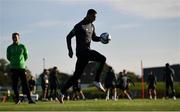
x=17, y=54
x=84, y=32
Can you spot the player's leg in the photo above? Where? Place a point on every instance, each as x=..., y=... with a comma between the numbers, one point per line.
x=45, y=92
x=155, y=94
x=51, y=93
x=15, y=78
x=107, y=93
x=82, y=95
x=127, y=94
x=150, y=93
x=43, y=89
x=96, y=56
x=76, y=95
x=167, y=90
x=173, y=90
x=56, y=93
x=80, y=65
x=114, y=94
x=25, y=85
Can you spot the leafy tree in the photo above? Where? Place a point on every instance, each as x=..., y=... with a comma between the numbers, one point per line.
x=5, y=74
x=5, y=78
x=133, y=76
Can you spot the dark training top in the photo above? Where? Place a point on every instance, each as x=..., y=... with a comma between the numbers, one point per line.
x=169, y=74
x=77, y=86
x=110, y=79
x=84, y=32
x=151, y=80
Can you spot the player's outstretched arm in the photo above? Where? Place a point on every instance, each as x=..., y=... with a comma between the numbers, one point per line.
x=95, y=38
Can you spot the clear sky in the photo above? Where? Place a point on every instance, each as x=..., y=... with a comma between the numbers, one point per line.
x=147, y=30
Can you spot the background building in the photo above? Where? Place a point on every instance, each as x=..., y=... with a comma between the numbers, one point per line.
x=159, y=71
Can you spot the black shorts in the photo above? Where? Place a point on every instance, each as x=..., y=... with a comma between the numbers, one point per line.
x=110, y=86
x=122, y=87
x=151, y=86
x=125, y=88
x=77, y=90
x=31, y=88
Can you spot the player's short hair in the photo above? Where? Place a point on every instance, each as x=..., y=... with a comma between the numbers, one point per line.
x=167, y=64
x=15, y=33
x=91, y=11
x=54, y=67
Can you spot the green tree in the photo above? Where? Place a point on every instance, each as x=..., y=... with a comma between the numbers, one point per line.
x=5, y=78
x=5, y=74
x=133, y=76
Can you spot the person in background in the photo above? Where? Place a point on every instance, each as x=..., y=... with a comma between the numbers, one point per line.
x=168, y=77
x=45, y=84
x=53, y=83
x=32, y=85
x=6, y=95
x=152, y=81
x=77, y=92
x=125, y=83
x=110, y=84
x=17, y=54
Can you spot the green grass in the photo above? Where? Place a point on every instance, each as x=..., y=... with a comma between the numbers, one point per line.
x=97, y=105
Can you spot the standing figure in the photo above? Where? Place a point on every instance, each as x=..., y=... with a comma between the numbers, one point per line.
x=45, y=84
x=110, y=84
x=169, y=79
x=152, y=81
x=53, y=82
x=17, y=54
x=84, y=32
x=77, y=92
x=32, y=85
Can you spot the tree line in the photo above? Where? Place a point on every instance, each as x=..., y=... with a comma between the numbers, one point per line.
x=87, y=77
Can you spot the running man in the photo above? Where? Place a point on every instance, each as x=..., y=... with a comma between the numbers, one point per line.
x=124, y=84
x=84, y=32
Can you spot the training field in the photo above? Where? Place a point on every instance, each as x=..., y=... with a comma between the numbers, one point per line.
x=97, y=105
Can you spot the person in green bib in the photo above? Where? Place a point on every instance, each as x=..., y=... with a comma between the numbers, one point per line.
x=17, y=54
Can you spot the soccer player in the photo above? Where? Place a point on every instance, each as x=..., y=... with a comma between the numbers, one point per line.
x=84, y=32
x=169, y=79
x=53, y=82
x=17, y=54
x=152, y=85
x=110, y=84
x=77, y=92
x=45, y=84
x=124, y=84
x=32, y=85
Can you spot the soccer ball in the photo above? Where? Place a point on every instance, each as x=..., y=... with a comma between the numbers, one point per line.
x=105, y=38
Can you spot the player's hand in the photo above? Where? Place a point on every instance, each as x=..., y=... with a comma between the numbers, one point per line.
x=70, y=54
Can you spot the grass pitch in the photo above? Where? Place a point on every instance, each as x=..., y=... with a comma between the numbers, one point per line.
x=96, y=105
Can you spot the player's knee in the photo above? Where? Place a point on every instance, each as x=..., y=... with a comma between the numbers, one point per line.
x=103, y=59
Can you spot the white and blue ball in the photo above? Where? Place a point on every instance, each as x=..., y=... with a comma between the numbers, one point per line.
x=105, y=38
